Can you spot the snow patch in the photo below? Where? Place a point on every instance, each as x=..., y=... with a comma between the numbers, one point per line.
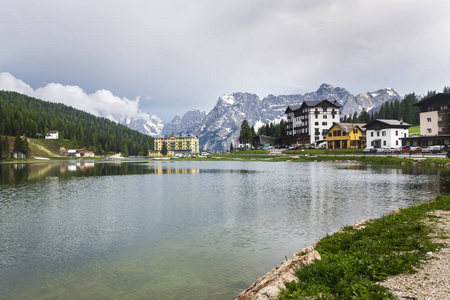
x=227, y=99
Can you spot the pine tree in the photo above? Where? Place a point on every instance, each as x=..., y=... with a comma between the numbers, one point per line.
x=164, y=150
x=244, y=134
x=5, y=146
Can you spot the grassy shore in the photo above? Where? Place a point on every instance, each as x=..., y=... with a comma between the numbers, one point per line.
x=381, y=160
x=353, y=261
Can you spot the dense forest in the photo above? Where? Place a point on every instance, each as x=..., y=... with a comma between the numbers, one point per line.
x=21, y=115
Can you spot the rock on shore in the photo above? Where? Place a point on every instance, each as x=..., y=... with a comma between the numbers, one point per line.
x=268, y=286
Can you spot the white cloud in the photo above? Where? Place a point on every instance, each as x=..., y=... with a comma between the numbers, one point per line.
x=185, y=54
x=101, y=103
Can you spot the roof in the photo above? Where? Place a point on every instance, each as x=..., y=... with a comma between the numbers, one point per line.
x=347, y=127
x=291, y=108
x=430, y=100
x=176, y=136
x=308, y=103
x=318, y=103
x=389, y=122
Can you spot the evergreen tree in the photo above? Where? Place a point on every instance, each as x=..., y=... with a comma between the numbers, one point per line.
x=446, y=89
x=164, y=150
x=21, y=145
x=231, y=147
x=262, y=130
x=244, y=134
x=364, y=116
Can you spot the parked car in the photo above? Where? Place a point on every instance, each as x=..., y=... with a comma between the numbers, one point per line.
x=426, y=150
x=369, y=150
x=385, y=150
x=406, y=148
x=416, y=149
x=437, y=149
x=397, y=150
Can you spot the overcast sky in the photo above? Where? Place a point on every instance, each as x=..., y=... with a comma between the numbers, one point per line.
x=167, y=57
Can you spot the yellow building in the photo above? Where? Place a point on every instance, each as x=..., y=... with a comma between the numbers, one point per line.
x=346, y=136
x=177, y=145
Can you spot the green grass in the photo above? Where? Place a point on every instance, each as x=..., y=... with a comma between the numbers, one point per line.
x=414, y=130
x=239, y=152
x=354, y=260
x=323, y=151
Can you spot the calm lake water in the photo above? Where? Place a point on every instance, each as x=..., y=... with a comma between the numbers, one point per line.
x=179, y=230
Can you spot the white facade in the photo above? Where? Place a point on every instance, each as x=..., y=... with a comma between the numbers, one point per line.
x=386, y=133
x=389, y=137
x=312, y=119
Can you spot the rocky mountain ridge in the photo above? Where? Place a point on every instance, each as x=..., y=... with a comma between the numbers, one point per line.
x=220, y=127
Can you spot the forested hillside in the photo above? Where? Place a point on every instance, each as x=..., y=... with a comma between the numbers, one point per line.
x=24, y=115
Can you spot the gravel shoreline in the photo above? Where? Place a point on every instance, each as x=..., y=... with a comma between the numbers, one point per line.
x=431, y=282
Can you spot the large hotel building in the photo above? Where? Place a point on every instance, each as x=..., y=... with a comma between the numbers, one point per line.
x=177, y=144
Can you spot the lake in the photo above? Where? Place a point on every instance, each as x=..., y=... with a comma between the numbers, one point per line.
x=138, y=229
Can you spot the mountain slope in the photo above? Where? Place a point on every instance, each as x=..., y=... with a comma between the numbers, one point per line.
x=24, y=115
x=220, y=127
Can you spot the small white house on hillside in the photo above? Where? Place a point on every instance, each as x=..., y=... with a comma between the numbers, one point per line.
x=52, y=135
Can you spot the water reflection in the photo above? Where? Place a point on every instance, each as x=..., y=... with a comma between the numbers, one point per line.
x=37, y=171
x=87, y=229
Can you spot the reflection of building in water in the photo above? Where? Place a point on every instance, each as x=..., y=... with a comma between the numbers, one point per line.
x=81, y=166
x=177, y=145
x=161, y=170
x=18, y=167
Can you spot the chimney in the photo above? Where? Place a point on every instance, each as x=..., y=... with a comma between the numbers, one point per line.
x=401, y=120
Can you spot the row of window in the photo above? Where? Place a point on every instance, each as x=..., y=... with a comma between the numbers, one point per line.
x=384, y=143
x=383, y=133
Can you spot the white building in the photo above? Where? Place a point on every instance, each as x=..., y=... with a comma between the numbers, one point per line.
x=386, y=133
x=52, y=135
x=309, y=122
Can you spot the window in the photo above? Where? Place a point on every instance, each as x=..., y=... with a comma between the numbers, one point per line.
x=355, y=131
x=384, y=143
x=371, y=134
x=324, y=116
x=396, y=133
x=324, y=123
x=316, y=123
x=396, y=143
x=330, y=135
x=429, y=120
x=428, y=130
x=383, y=133
x=378, y=133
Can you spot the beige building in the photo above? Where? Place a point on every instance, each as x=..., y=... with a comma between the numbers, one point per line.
x=177, y=145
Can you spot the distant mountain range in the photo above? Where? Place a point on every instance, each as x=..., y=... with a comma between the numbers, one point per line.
x=220, y=127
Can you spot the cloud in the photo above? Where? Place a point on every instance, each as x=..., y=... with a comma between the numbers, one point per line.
x=185, y=54
x=101, y=103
